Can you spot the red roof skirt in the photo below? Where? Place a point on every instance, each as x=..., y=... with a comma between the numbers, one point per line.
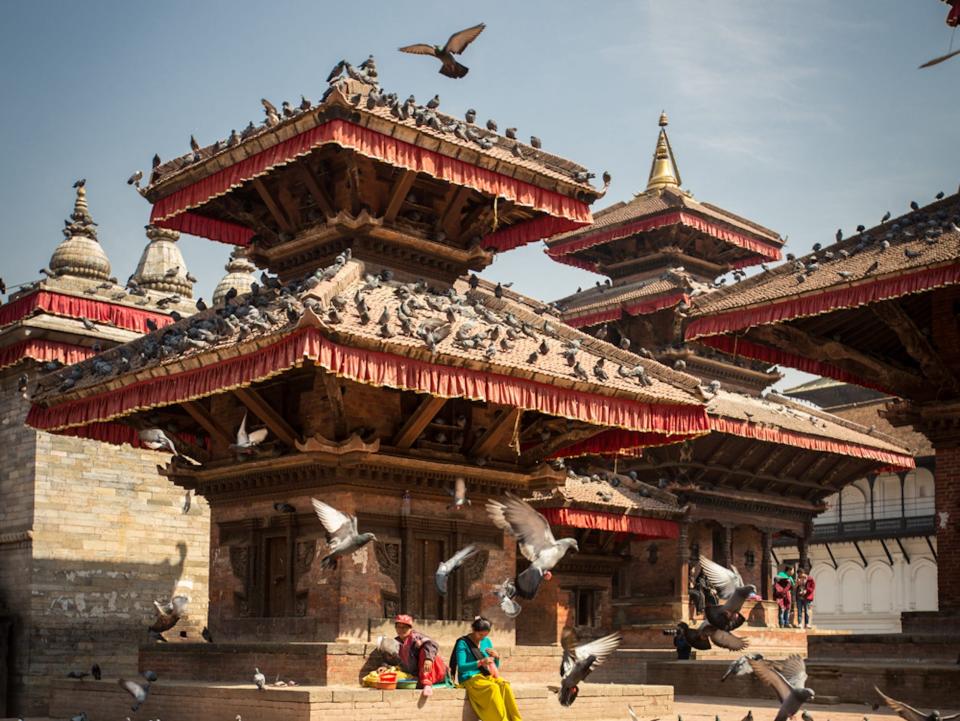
x=645, y=528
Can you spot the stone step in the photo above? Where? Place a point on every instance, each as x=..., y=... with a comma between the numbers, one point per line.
x=334, y=664
x=105, y=701
x=927, y=685
x=905, y=647
x=771, y=642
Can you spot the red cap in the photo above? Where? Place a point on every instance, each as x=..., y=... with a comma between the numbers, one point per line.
x=404, y=618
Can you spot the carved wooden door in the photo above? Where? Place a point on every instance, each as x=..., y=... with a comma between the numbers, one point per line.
x=427, y=553
x=277, y=576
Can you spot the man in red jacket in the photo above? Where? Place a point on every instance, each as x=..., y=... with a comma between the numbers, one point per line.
x=806, y=587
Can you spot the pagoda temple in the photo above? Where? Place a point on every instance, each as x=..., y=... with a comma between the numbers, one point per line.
x=90, y=536
x=768, y=462
x=381, y=371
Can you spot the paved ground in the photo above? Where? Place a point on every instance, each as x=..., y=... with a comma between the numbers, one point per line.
x=702, y=708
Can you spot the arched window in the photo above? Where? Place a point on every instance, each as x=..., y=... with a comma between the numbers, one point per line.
x=886, y=502
x=880, y=587
x=852, y=583
x=854, y=504
x=825, y=600
x=918, y=493
x=924, y=586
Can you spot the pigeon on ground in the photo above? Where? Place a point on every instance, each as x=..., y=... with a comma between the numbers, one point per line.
x=342, y=534
x=96, y=672
x=730, y=588
x=151, y=676
x=535, y=540
x=459, y=494
x=247, y=442
x=579, y=661
x=259, y=679
x=452, y=564
x=138, y=691
x=700, y=638
x=457, y=43
x=169, y=613
x=806, y=716
x=788, y=684
x=910, y=713
x=77, y=674
x=82, y=716
x=748, y=717
x=741, y=667
x=206, y=635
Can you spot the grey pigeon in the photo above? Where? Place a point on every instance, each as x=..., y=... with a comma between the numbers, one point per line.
x=457, y=43
x=701, y=637
x=138, y=691
x=535, y=540
x=578, y=662
x=342, y=535
x=82, y=716
x=259, y=679
x=452, y=564
x=505, y=593
x=788, y=684
x=388, y=646
x=247, y=442
x=731, y=589
x=156, y=440
x=910, y=713
x=741, y=667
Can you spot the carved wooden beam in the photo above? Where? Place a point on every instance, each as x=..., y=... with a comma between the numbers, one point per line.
x=892, y=314
x=744, y=472
x=264, y=411
x=796, y=341
x=398, y=193
x=335, y=396
x=320, y=196
x=419, y=419
x=450, y=220
x=272, y=206
x=498, y=431
x=199, y=413
x=289, y=204
x=556, y=442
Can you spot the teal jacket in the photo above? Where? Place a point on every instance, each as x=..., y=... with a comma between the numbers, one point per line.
x=467, y=666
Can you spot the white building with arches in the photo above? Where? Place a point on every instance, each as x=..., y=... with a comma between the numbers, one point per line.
x=873, y=552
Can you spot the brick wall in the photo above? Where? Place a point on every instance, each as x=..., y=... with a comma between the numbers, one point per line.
x=948, y=525
x=109, y=538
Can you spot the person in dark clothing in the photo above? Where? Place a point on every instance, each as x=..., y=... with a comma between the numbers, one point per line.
x=683, y=648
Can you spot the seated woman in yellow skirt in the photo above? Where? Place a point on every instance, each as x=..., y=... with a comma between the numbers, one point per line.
x=477, y=665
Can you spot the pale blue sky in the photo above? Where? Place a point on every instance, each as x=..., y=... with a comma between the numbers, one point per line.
x=802, y=115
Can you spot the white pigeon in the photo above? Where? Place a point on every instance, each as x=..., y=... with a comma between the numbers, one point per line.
x=535, y=540
x=247, y=442
x=452, y=564
x=259, y=679
x=505, y=593
x=138, y=692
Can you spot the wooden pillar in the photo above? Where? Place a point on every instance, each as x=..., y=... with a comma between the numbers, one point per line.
x=947, y=519
x=683, y=569
x=766, y=569
x=726, y=553
x=803, y=548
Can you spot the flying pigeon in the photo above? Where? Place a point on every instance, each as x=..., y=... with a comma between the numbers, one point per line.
x=535, y=540
x=457, y=43
x=505, y=592
x=579, y=661
x=139, y=692
x=788, y=684
x=259, y=679
x=910, y=713
x=247, y=442
x=741, y=667
x=452, y=564
x=342, y=535
x=169, y=613
x=459, y=494
x=156, y=440
x=730, y=588
x=700, y=638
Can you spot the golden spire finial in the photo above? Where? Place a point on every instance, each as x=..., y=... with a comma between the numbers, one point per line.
x=663, y=171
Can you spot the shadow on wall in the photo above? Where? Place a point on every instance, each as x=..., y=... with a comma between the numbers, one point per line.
x=84, y=612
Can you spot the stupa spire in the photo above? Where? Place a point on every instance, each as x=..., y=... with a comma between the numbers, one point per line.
x=663, y=170
x=80, y=254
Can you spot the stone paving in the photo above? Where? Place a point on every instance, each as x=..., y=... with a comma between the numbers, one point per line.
x=703, y=708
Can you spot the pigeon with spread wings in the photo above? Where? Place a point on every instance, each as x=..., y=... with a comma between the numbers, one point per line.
x=909, y=713
x=579, y=661
x=787, y=683
x=457, y=43
x=535, y=539
x=700, y=637
x=247, y=442
x=342, y=535
x=730, y=588
x=452, y=564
